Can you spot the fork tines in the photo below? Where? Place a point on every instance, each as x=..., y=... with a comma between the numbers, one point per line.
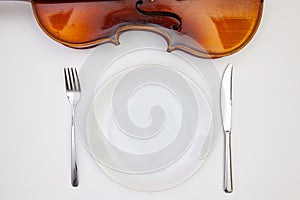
x=71, y=79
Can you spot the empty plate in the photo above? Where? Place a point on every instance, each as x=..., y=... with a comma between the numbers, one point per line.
x=148, y=117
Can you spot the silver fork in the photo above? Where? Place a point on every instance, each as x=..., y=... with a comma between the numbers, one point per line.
x=73, y=94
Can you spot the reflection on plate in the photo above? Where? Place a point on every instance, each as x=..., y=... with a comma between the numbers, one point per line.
x=148, y=117
x=145, y=119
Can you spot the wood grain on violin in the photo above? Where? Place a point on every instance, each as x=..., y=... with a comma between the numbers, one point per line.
x=205, y=28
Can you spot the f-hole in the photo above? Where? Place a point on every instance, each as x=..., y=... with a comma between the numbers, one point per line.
x=159, y=13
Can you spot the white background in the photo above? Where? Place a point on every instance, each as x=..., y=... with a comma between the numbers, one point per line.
x=35, y=118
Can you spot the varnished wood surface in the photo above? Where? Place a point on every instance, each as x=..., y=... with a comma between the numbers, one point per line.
x=206, y=28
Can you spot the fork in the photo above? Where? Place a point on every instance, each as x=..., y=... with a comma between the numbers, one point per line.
x=73, y=94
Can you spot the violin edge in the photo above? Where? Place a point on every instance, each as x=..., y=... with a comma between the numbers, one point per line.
x=155, y=29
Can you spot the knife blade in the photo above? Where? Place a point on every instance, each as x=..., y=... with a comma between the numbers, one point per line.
x=226, y=98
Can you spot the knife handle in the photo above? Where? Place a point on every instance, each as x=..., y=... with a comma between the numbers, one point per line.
x=228, y=187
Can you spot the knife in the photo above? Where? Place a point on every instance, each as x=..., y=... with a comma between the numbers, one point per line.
x=226, y=113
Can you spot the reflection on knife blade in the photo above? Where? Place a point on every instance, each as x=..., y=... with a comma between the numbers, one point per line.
x=226, y=111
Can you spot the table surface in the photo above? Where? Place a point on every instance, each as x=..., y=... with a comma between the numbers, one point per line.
x=35, y=117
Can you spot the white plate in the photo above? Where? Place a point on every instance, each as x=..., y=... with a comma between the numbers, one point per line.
x=143, y=140
x=146, y=118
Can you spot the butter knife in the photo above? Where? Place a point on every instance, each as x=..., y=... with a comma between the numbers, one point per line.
x=226, y=112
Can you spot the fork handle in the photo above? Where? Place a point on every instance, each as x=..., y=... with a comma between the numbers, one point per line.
x=227, y=165
x=74, y=174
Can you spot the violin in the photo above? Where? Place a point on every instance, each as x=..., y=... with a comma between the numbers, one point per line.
x=204, y=28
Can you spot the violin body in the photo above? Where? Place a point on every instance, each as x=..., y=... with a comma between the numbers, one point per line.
x=204, y=28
